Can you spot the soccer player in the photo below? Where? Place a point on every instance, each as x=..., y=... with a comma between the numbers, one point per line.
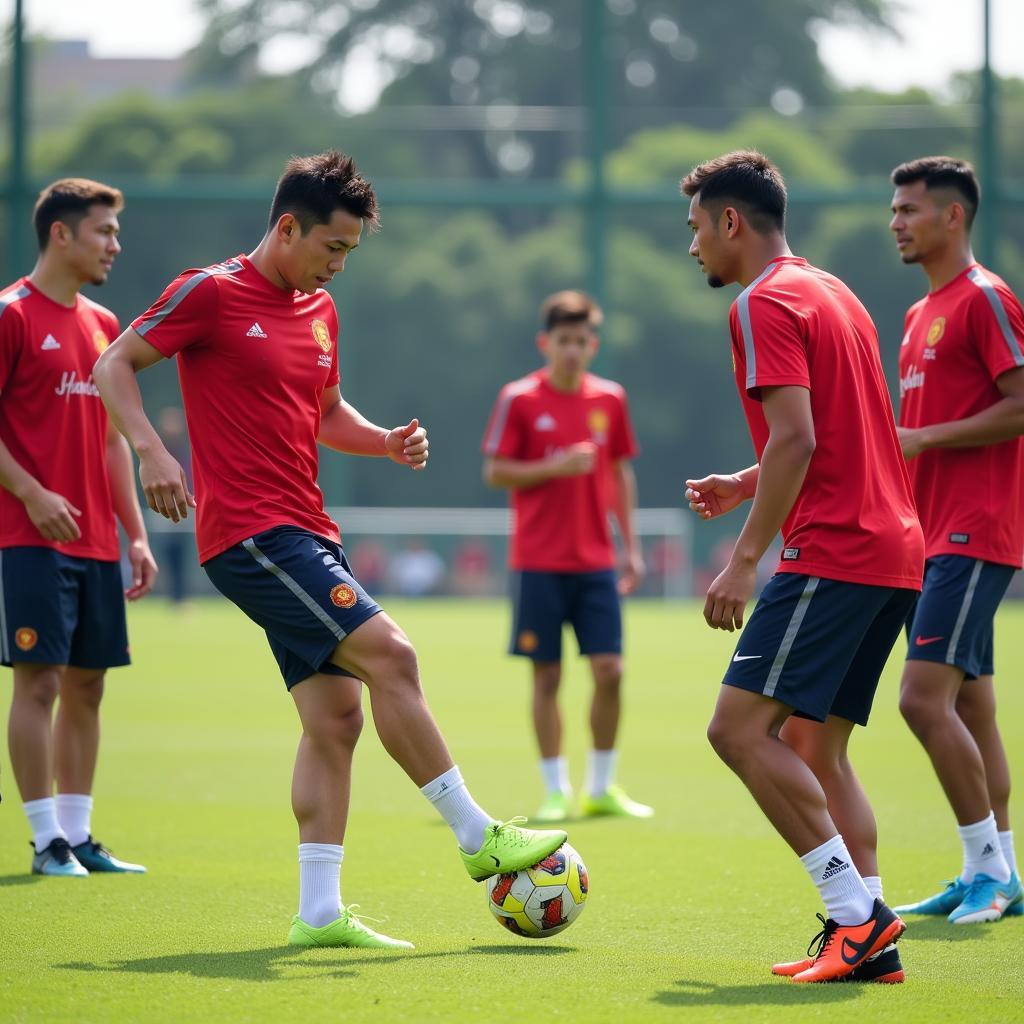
x=256, y=341
x=961, y=421
x=65, y=473
x=560, y=439
x=830, y=475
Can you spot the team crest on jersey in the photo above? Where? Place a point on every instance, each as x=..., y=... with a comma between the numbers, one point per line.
x=343, y=596
x=935, y=332
x=597, y=423
x=527, y=641
x=26, y=638
x=321, y=335
x=101, y=341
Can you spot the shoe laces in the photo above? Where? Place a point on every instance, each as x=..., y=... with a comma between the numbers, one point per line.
x=59, y=850
x=821, y=941
x=510, y=833
x=350, y=914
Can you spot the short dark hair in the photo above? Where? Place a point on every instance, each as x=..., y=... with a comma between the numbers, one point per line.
x=68, y=201
x=943, y=172
x=570, y=307
x=745, y=179
x=313, y=187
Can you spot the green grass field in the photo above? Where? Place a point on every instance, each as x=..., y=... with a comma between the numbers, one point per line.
x=686, y=911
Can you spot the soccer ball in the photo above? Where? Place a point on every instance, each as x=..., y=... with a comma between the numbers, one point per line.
x=541, y=900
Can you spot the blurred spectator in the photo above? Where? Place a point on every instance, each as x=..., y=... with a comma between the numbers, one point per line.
x=176, y=540
x=369, y=565
x=417, y=570
x=471, y=568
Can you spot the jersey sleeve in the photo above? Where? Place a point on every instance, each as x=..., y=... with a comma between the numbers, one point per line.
x=334, y=377
x=183, y=314
x=997, y=326
x=12, y=338
x=623, y=441
x=504, y=436
x=771, y=338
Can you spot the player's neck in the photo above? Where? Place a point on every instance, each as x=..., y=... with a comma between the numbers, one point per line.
x=57, y=283
x=754, y=261
x=262, y=259
x=567, y=382
x=947, y=265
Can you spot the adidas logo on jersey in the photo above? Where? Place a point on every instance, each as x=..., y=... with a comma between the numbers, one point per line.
x=49, y=344
x=545, y=421
x=256, y=332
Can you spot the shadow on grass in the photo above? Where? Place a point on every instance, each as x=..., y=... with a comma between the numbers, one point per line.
x=545, y=950
x=19, y=879
x=938, y=928
x=769, y=993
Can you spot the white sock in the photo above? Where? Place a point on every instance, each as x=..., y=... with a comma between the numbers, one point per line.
x=982, y=852
x=42, y=819
x=1006, y=843
x=465, y=817
x=601, y=770
x=320, y=882
x=555, y=771
x=847, y=900
x=74, y=811
x=873, y=884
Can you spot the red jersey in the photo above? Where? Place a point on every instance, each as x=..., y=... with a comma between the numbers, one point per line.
x=562, y=525
x=854, y=517
x=253, y=360
x=956, y=342
x=51, y=416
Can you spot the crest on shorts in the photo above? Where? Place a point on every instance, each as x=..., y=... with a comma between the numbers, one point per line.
x=343, y=596
x=321, y=335
x=100, y=340
x=26, y=638
x=935, y=332
x=527, y=641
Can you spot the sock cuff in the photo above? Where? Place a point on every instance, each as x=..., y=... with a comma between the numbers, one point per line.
x=446, y=781
x=324, y=852
x=83, y=800
x=1007, y=835
x=978, y=828
x=39, y=805
x=873, y=884
x=822, y=854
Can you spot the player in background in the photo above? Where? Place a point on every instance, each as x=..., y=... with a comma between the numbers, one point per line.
x=65, y=473
x=256, y=341
x=961, y=421
x=831, y=477
x=560, y=440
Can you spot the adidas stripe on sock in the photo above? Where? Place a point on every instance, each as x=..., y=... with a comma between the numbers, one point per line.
x=847, y=900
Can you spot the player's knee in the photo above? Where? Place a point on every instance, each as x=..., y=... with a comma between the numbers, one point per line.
x=608, y=673
x=396, y=668
x=547, y=678
x=724, y=740
x=918, y=709
x=85, y=691
x=38, y=687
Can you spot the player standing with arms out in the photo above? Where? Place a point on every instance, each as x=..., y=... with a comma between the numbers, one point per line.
x=961, y=421
x=256, y=341
x=830, y=475
x=561, y=440
x=65, y=473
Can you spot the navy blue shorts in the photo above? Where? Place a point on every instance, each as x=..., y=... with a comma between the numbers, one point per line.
x=544, y=601
x=952, y=622
x=819, y=646
x=56, y=609
x=300, y=589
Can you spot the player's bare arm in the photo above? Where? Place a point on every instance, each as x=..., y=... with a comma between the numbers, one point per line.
x=121, y=471
x=512, y=474
x=714, y=495
x=780, y=476
x=51, y=513
x=1002, y=421
x=344, y=429
x=633, y=567
x=163, y=480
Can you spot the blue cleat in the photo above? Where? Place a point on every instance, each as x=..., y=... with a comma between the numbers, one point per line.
x=987, y=900
x=96, y=857
x=943, y=903
x=58, y=860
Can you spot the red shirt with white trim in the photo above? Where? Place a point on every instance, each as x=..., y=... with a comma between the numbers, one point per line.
x=957, y=341
x=854, y=518
x=253, y=360
x=562, y=525
x=51, y=416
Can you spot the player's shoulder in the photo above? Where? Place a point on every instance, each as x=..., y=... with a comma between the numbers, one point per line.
x=12, y=298
x=210, y=276
x=985, y=286
x=593, y=385
x=99, y=310
x=521, y=387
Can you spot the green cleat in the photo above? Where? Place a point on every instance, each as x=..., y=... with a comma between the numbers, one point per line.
x=613, y=802
x=347, y=930
x=555, y=808
x=507, y=848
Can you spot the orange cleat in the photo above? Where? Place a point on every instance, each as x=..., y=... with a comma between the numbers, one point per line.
x=884, y=968
x=842, y=948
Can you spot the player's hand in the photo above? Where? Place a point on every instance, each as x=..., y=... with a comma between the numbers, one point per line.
x=164, y=485
x=576, y=460
x=633, y=570
x=408, y=445
x=52, y=515
x=714, y=495
x=144, y=569
x=728, y=596
x=911, y=441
